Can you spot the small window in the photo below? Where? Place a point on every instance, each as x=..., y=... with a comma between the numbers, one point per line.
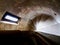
x=10, y=18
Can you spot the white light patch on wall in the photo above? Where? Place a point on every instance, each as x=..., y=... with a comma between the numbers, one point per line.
x=43, y=24
x=57, y=18
x=53, y=29
x=11, y=18
x=47, y=27
x=8, y=22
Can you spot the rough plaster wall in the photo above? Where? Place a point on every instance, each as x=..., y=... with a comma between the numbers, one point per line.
x=27, y=9
x=9, y=5
x=50, y=7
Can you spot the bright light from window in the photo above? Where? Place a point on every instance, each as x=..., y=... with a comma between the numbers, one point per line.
x=11, y=18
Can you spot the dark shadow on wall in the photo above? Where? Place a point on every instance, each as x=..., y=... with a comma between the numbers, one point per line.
x=24, y=38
